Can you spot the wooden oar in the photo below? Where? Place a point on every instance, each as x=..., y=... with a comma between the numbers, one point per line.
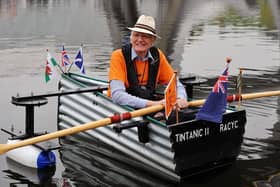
x=117, y=118
x=236, y=97
x=259, y=95
x=73, y=130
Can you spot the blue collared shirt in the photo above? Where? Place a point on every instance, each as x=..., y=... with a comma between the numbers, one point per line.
x=135, y=56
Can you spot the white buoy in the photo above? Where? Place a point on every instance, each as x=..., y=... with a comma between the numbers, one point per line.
x=32, y=156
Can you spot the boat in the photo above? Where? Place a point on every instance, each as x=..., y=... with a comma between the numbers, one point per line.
x=163, y=148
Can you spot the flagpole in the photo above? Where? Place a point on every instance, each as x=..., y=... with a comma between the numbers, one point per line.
x=59, y=67
x=176, y=105
x=239, y=87
x=68, y=70
x=62, y=61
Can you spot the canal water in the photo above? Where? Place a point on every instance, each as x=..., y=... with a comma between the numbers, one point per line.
x=197, y=36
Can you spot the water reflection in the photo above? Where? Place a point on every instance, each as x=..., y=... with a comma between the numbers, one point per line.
x=88, y=163
x=120, y=14
x=196, y=36
x=92, y=164
x=29, y=176
x=8, y=9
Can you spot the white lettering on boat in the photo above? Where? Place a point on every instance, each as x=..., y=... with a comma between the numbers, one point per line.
x=231, y=125
x=203, y=132
x=193, y=134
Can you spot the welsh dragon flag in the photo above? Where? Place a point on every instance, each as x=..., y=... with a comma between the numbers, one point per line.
x=50, y=64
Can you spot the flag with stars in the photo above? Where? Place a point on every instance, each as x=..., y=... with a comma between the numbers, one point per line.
x=215, y=104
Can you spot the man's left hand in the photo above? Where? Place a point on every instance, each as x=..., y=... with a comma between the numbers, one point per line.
x=182, y=103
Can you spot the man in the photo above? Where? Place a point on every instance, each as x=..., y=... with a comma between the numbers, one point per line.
x=136, y=69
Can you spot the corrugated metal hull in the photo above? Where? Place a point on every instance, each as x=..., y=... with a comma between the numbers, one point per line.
x=82, y=108
x=169, y=150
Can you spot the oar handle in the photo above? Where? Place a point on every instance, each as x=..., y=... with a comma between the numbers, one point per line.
x=260, y=94
x=237, y=97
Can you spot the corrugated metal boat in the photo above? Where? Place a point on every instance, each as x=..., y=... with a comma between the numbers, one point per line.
x=171, y=150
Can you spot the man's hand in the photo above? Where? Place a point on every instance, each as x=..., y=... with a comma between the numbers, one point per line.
x=152, y=103
x=182, y=103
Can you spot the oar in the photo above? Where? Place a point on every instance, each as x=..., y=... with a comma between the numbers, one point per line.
x=236, y=97
x=73, y=130
x=117, y=118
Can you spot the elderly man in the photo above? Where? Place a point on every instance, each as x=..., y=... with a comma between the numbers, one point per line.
x=137, y=68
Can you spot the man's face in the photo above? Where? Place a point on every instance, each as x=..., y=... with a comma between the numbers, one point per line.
x=141, y=42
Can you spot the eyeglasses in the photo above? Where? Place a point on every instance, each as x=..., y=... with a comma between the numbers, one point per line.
x=142, y=35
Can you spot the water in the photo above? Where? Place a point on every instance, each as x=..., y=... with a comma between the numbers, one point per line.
x=197, y=36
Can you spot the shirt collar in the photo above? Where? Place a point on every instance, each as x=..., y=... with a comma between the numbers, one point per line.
x=135, y=56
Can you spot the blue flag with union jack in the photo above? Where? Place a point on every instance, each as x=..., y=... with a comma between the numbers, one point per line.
x=215, y=104
x=79, y=61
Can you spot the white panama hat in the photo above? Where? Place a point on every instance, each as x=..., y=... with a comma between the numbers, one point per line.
x=145, y=24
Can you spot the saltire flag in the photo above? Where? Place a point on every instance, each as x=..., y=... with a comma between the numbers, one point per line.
x=215, y=104
x=65, y=61
x=170, y=94
x=49, y=72
x=79, y=62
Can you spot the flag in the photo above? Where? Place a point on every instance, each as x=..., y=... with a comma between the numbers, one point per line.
x=51, y=60
x=48, y=72
x=65, y=60
x=170, y=94
x=79, y=61
x=215, y=104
